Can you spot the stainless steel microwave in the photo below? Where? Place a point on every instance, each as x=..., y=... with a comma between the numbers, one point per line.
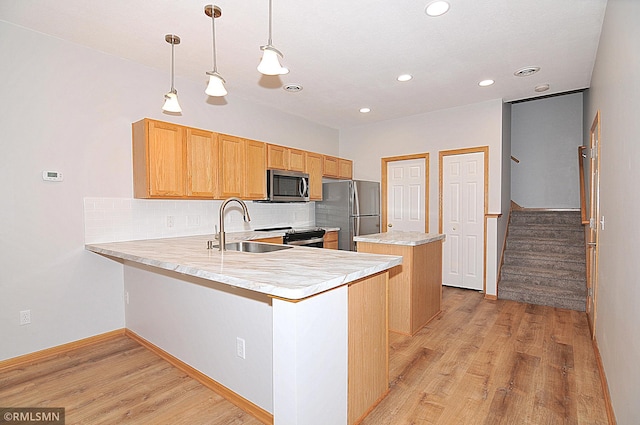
x=287, y=186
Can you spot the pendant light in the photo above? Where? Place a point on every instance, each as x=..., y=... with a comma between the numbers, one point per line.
x=270, y=64
x=171, y=99
x=216, y=82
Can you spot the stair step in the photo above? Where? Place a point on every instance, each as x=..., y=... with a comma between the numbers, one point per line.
x=566, y=280
x=545, y=217
x=548, y=260
x=547, y=232
x=542, y=295
x=556, y=246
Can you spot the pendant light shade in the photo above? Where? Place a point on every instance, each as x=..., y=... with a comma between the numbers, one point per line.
x=216, y=85
x=171, y=99
x=216, y=82
x=171, y=103
x=270, y=64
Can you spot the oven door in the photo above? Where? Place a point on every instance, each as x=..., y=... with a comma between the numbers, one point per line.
x=314, y=243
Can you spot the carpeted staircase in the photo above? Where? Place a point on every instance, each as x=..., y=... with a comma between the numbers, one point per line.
x=544, y=260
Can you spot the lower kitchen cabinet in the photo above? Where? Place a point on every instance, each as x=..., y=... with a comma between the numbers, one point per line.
x=331, y=240
x=275, y=239
x=368, y=346
x=415, y=287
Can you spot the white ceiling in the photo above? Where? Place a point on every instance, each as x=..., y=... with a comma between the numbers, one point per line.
x=345, y=53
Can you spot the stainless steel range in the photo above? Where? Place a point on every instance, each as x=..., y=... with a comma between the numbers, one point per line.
x=313, y=237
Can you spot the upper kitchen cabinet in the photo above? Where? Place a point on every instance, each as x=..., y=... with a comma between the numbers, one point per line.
x=330, y=166
x=283, y=158
x=345, y=168
x=339, y=168
x=202, y=163
x=255, y=170
x=314, y=169
x=242, y=170
x=172, y=161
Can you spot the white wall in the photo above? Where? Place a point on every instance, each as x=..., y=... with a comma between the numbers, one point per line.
x=615, y=91
x=480, y=124
x=546, y=134
x=198, y=321
x=70, y=109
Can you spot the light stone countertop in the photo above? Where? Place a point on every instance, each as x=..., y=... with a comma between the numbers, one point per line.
x=294, y=273
x=400, y=238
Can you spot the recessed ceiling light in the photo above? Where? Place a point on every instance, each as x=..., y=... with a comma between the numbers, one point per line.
x=525, y=72
x=485, y=83
x=292, y=88
x=437, y=8
x=404, y=77
x=541, y=88
x=365, y=110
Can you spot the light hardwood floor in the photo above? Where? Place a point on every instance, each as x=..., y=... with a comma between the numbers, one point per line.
x=478, y=362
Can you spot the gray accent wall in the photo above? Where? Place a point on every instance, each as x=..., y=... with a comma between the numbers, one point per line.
x=545, y=136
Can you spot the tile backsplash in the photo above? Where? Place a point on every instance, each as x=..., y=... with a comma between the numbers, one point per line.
x=121, y=219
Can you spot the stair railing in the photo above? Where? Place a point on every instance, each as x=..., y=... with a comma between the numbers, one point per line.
x=583, y=197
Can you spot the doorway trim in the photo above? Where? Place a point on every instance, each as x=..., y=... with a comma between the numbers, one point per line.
x=593, y=232
x=383, y=186
x=484, y=150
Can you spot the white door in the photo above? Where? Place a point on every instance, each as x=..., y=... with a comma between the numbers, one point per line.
x=405, y=195
x=463, y=220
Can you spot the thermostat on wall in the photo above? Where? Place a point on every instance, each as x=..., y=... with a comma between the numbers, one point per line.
x=52, y=176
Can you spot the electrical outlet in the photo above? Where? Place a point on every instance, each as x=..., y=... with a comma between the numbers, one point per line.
x=25, y=317
x=170, y=221
x=126, y=297
x=240, y=347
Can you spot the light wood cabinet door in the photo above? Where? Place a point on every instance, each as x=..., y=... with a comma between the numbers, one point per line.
x=255, y=170
x=158, y=159
x=331, y=240
x=230, y=166
x=314, y=169
x=277, y=157
x=330, y=166
x=202, y=163
x=297, y=159
x=368, y=345
x=345, y=168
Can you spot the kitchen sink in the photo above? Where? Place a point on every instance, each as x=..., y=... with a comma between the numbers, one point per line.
x=255, y=247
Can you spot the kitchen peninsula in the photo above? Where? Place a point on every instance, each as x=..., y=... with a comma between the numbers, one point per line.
x=415, y=287
x=298, y=336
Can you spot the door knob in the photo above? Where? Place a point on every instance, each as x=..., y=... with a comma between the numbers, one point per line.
x=389, y=225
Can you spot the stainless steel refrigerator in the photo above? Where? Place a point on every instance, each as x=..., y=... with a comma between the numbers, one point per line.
x=351, y=205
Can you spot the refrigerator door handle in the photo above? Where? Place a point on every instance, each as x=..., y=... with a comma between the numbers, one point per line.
x=357, y=226
x=356, y=200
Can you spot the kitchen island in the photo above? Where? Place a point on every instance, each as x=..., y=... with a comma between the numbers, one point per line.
x=415, y=287
x=297, y=336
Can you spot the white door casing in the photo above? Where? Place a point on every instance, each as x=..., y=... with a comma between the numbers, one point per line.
x=406, y=181
x=462, y=203
x=594, y=224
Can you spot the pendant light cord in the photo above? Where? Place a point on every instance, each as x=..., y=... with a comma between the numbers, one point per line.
x=172, y=60
x=269, y=43
x=213, y=32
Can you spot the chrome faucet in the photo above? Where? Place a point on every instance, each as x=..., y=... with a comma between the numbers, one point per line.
x=245, y=216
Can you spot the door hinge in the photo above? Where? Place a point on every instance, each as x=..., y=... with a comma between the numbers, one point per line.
x=591, y=292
